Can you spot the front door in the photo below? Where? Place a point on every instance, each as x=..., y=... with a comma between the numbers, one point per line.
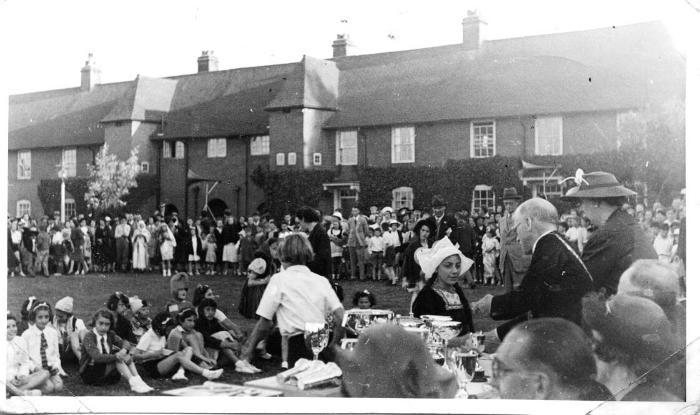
x=345, y=199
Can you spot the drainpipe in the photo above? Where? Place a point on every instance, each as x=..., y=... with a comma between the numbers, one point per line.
x=186, y=143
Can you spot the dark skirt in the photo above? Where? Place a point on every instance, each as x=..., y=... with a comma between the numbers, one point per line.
x=250, y=299
x=150, y=368
x=100, y=374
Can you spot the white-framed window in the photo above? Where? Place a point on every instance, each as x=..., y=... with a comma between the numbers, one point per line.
x=70, y=208
x=167, y=150
x=317, y=159
x=145, y=167
x=180, y=150
x=24, y=165
x=548, y=136
x=280, y=159
x=403, y=144
x=346, y=148
x=24, y=207
x=260, y=145
x=291, y=159
x=68, y=161
x=483, y=196
x=402, y=197
x=483, y=139
x=216, y=147
x=550, y=189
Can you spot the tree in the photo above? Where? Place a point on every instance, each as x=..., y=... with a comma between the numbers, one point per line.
x=110, y=179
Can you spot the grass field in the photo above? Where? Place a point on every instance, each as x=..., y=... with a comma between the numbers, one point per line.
x=90, y=292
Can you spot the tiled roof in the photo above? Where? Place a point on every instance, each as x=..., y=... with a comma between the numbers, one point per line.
x=522, y=76
x=224, y=103
x=145, y=100
x=68, y=117
x=313, y=84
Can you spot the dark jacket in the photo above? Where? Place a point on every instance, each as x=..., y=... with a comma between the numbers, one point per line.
x=430, y=302
x=411, y=269
x=553, y=286
x=230, y=233
x=123, y=329
x=466, y=238
x=92, y=353
x=189, y=249
x=321, y=244
x=207, y=328
x=446, y=222
x=613, y=248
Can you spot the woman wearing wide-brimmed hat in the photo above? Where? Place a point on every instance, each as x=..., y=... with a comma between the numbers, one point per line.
x=619, y=240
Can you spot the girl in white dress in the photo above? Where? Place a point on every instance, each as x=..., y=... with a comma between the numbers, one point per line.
x=490, y=247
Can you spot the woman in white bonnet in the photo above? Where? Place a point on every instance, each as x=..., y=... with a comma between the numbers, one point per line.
x=443, y=265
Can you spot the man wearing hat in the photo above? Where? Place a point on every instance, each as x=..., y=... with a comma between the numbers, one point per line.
x=619, y=240
x=444, y=224
x=514, y=263
x=358, y=232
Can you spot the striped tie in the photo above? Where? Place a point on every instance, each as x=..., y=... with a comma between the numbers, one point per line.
x=104, y=346
x=42, y=351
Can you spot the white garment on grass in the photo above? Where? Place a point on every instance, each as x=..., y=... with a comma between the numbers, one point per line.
x=33, y=338
x=297, y=296
x=151, y=342
x=18, y=362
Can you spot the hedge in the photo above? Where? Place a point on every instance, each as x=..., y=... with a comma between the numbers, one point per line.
x=455, y=181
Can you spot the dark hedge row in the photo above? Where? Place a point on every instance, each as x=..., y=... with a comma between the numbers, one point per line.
x=455, y=181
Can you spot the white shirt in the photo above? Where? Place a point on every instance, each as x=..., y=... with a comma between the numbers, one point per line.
x=572, y=234
x=391, y=239
x=376, y=244
x=100, y=341
x=151, y=342
x=18, y=362
x=33, y=338
x=663, y=247
x=297, y=296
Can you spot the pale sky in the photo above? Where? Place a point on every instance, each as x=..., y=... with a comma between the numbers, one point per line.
x=47, y=41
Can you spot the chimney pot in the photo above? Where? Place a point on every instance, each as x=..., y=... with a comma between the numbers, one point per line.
x=207, y=62
x=89, y=74
x=473, y=30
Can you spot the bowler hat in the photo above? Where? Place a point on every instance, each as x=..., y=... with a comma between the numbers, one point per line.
x=598, y=185
x=510, y=193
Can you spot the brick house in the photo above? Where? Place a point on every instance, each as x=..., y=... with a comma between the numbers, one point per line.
x=203, y=134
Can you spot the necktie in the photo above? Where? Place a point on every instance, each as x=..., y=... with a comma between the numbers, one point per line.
x=104, y=345
x=42, y=351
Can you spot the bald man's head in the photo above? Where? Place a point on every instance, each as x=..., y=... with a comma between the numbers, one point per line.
x=532, y=219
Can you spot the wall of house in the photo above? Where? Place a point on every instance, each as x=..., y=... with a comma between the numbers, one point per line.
x=286, y=135
x=45, y=162
x=122, y=137
x=314, y=141
x=230, y=171
x=590, y=132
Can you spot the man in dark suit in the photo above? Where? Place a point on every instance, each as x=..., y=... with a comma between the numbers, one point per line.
x=554, y=283
x=310, y=221
x=444, y=224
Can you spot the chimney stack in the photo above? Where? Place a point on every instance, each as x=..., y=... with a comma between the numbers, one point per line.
x=473, y=30
x=207, y=62
x=89, y=75
x=341, y=46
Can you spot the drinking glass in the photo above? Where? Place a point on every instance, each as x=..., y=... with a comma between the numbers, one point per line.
x=463, y=365
x=480, y=341
x=317, y=336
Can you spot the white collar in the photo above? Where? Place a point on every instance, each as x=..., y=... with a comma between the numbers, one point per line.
x=94, y=330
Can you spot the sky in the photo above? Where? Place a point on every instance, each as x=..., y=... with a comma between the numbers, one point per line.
x=48, y=41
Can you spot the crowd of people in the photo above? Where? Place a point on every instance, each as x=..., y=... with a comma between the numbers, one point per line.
x=599, y=293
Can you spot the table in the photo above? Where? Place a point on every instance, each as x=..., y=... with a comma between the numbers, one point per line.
x=291, y=390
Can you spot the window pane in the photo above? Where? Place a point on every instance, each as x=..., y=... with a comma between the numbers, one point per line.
x=292, y=159
x=166, y=150
x=260, y=145
x=548, y=133
x=403, y=144
x=280, y=159
x=222, y=147
x=179, y=150
x=24, y=165
x=69, y=162
x=483, y=139
x=24, y=207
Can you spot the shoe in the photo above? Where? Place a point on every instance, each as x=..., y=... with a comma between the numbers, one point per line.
x=138, y=386
x=265, y=356
x=32, y=392
x=179, y=375
x=213, y=374
x=244, y=367
x=140, y=380
x=285, y=365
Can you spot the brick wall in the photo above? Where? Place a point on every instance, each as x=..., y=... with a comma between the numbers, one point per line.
x=286, y=135
x=45, y=162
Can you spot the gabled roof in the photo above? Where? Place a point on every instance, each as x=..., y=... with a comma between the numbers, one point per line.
x=224, y=103
x=145, y=100
x=313, y=84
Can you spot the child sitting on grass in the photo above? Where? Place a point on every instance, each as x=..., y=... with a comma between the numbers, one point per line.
x=23, y=377
x=217, y=339
x=185, y=335
x=159, y=362
x=118, y=304
x=105, y=356
x=179, y=286
x=69, y=328
x=42, y=346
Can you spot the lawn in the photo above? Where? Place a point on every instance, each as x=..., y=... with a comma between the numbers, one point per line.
x=90, y=292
